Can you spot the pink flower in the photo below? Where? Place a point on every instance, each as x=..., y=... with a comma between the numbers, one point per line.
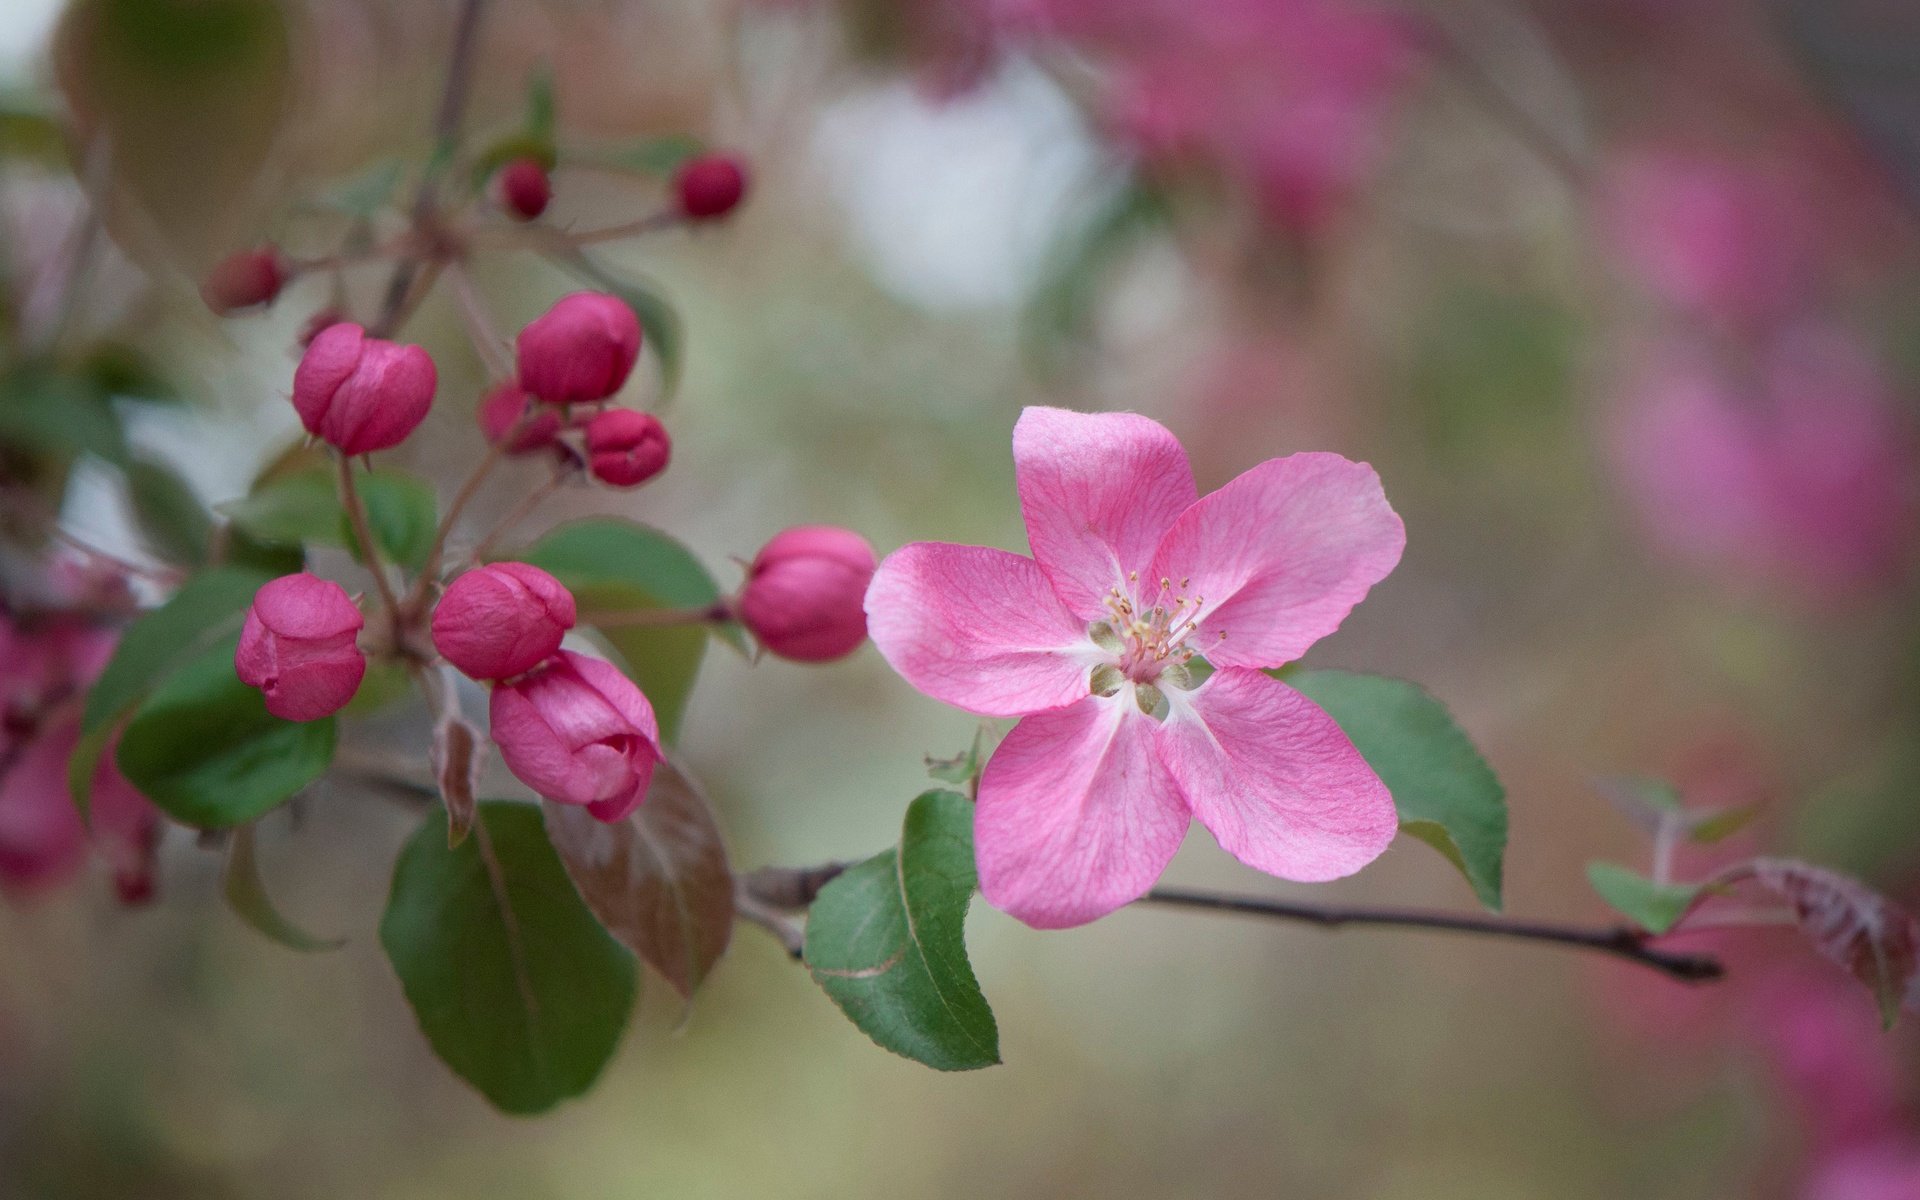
x=626, y=448
x=804, y=593
x=523, y=189
x=1887, y=1171
x=577, y=731
x=42, y=840
x=505, y=406
x=502, y=620
x=1808, y=474
x=1090, y=641
x=297, y=647
x=245, y=279
x=362, y=394
x=581, y=349
x=710, y=186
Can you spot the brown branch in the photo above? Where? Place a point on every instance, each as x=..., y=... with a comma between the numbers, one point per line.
x=1623, y=941
x=794, y=888
x=446, y=135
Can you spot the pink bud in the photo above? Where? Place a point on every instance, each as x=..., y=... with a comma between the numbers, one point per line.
x=710, y=186
x=502, y=620
x=626, y=448
x=245, y=279
x=507, y=404
x=297, y=647
x=523, y=188
x=577, y=731
x=581, y=349
x=805, y=593
x=359, y=393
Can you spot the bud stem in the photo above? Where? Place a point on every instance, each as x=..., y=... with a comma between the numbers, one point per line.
x=363, y=533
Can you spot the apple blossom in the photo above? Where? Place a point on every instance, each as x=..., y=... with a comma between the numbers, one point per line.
x=1092, y=643
x=297, y=647
x=577, y=731
x=501, y=620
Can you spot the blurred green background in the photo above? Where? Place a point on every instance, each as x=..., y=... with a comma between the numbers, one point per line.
x=910, y=270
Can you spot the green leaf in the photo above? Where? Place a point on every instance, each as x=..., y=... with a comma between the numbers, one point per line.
x=304, y=507
x=207, y=752
x=886, y=940
x=1446, y=794
x=611, y=565
x=540, y=106
x=247, y=897
x=208, y=608
x=659, y=319
x=46, y=412
x=169, y=512
x=1655, y=907
x=514, y=983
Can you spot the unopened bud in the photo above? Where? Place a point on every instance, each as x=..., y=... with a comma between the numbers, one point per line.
x=360, y=393
x=523, y=188
x=298, y=647
x=502, y=620
x=710, y=186
x=626, y=448
x=580, y=350
x=245, y=279
x=805, y=593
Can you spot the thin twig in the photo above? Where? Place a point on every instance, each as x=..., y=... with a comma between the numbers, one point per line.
x=794, y=888
x=446, y=135
x=486, y=339
x=664, y=219
x=370, y=549
x=1497, y=100
x=1623, y=941
x=527, y=504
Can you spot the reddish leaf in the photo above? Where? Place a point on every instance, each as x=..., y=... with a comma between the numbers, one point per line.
x=456, y=767
x=1850, y=923
x=659, y=880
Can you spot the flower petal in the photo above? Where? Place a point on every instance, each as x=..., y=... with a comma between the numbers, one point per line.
x=978, y=628
x=1280, y=556
x=1098, y=491
x=1076, y=816
x=1276, y=781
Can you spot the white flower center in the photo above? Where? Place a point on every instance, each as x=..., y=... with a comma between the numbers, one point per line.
x=1149, y=641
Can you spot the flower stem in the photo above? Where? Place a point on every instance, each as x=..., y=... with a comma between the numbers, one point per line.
x=363, y=533
x=666, y=218
x=530, y=502
x=486, y=339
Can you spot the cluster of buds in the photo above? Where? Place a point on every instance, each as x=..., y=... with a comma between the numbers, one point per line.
x=572, y=727
x=570, y=361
